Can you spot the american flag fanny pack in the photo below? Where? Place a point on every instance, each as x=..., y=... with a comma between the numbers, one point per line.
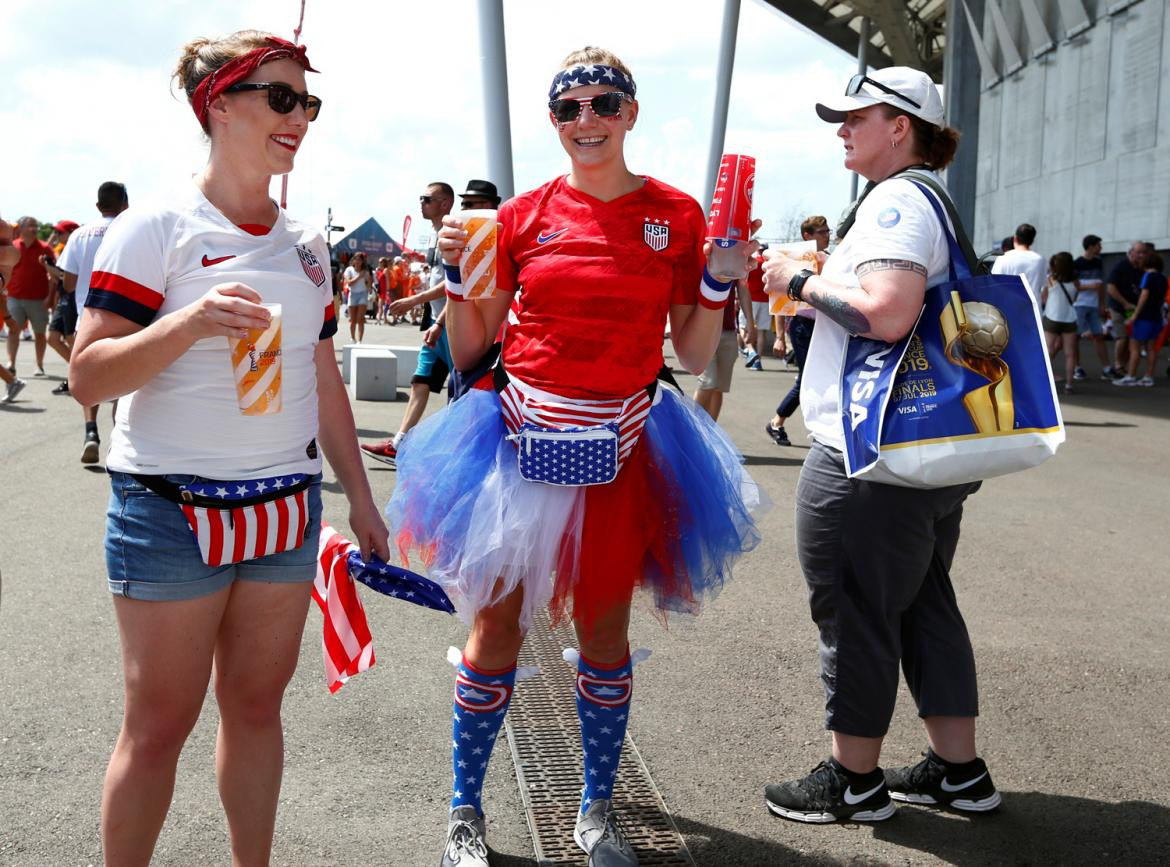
x=572, y=443
x=237, y=521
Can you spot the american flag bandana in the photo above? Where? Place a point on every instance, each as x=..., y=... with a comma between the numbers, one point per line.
x=346, y=642
x=591, y=73
x=233, y=533
x=522, y=404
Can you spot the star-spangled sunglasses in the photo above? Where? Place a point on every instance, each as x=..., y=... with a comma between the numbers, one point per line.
x=281, y=98
x=568, y=109
x=853, y=88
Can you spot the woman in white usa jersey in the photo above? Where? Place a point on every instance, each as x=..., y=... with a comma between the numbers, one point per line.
x=213, y=517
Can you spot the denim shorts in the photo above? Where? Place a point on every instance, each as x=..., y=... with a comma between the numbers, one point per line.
x=1089, y=321
x=151, y=553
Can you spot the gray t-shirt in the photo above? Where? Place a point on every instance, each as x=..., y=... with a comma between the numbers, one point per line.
x=437, y=277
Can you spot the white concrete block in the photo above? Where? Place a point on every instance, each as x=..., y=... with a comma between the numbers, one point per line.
x=373, y=374
x=347, y=358
x=346, y=351
x=407, y=363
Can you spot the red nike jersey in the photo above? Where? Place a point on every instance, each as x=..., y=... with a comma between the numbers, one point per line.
x=596, y=282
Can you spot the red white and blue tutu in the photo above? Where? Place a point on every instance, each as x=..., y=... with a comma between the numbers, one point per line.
x=676, y=518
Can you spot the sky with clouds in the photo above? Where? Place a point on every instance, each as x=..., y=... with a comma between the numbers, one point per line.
x=86, y=98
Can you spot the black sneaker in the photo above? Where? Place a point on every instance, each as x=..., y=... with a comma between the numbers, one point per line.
x=966, y=787
x=63, y=388
x=829, y=794
x=778, y=434
x=89, y=451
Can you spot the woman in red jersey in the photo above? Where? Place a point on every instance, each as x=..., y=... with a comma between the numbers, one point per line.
x=646, y=492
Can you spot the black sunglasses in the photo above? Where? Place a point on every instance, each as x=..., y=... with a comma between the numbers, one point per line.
x=568, y=109
x=281, y=98
x=853, y=88
x=426, y=200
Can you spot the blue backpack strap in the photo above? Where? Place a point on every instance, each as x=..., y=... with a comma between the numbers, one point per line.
x=959, y=268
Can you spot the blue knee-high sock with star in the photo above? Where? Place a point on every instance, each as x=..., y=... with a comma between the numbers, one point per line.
x=481, y=700
x=603, y=707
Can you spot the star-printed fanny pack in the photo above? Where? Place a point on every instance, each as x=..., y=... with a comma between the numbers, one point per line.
x=572, y=456
x=237, y=521
x=570, y=442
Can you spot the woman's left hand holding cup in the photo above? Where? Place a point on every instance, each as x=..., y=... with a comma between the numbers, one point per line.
x=452, y=239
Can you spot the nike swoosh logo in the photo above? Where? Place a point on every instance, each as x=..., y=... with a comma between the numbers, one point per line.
x=543, y=238
x=948, y=787
x=207, y=263
x=852, y=799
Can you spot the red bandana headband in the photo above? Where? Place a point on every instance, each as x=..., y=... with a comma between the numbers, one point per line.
x=239, y=68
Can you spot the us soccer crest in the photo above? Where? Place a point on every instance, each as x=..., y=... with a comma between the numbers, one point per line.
x=312, y=265
x=656, y=234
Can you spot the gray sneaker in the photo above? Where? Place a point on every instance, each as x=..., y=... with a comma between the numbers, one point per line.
x=466, y=840
x=600, y=836
x=14, y=388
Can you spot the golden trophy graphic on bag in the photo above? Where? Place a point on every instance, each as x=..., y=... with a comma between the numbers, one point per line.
x=975, y=334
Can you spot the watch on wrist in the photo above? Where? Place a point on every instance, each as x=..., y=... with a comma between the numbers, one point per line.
x=796, y=284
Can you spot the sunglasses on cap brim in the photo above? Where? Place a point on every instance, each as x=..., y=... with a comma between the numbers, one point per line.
x=281, y=98
x=568, y=109
x=853, y=88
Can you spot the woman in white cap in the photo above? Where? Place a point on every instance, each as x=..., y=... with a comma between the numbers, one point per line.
x=876, y=557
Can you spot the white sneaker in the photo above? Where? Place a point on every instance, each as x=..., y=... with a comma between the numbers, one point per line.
x=14, y=388
x=1147, y=381
x=600, y=837
x=1125, y=381
x=466, y=840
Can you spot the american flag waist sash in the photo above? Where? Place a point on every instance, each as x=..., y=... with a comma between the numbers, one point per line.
x=570, y=442
x=237, y=521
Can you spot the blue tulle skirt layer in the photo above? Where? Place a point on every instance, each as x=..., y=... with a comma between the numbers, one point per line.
x=679, y=514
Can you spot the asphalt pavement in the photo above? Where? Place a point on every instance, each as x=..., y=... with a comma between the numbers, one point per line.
x=1062, y=573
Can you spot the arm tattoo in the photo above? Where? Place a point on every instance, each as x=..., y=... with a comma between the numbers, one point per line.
x=839, y=310
x=888, y=265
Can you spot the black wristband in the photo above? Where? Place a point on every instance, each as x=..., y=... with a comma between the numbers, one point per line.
x=796, y=284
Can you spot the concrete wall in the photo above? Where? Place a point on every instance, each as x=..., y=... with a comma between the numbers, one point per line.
x=1078, y=140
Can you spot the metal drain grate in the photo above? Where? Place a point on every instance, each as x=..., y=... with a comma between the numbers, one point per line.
x=546, y=747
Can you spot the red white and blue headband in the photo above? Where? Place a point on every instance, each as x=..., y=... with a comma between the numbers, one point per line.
x=591, y=73
x=239, y=68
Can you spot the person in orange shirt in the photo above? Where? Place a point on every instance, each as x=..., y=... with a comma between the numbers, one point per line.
x=9, y=256
x=394, y=279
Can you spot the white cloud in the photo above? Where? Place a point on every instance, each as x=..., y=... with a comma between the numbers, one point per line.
x=86, y=99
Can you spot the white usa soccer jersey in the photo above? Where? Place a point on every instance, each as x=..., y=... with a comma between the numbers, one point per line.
x=186, y=420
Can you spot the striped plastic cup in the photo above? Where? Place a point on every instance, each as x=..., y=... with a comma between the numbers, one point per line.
x=256, y=364
x=478, y=265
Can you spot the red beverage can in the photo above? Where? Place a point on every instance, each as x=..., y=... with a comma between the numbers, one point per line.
x=730, y=217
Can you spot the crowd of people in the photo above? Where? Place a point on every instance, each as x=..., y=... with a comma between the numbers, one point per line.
x=575, y=472
x=1078, y=301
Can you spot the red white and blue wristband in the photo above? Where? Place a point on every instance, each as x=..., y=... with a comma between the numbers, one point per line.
x=455, y=290
x=713, y=293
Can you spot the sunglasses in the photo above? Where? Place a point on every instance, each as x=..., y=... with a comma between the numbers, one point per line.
x=853, y=88
x=568, y=109
x=281, y=98
x=426, y=200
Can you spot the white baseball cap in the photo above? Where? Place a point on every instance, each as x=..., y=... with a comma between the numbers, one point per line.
x=903, y=87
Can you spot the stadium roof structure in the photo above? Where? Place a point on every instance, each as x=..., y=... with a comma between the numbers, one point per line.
x=901, y=32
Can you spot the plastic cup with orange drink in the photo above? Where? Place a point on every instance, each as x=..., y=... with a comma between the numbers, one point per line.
x=257, y=366
x=477, y=268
